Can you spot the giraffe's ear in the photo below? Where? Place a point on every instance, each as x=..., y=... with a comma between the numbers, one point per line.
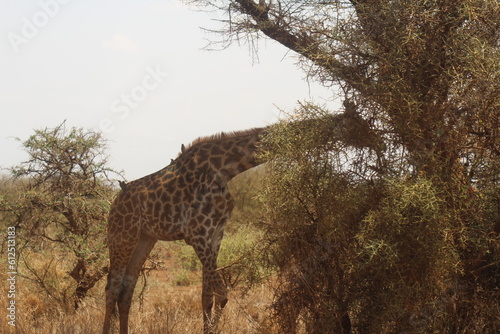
x=123, y=185
x=183, y=148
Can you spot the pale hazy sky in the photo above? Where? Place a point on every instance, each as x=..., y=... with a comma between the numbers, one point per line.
x=136, y=71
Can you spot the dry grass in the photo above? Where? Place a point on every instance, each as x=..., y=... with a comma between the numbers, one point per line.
x=163, y=308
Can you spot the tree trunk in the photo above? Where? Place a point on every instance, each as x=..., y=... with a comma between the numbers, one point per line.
x=85, y=281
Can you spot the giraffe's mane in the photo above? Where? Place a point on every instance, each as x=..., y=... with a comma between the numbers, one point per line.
x=225, y=135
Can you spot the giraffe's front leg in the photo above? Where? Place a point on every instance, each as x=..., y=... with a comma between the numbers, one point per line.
x=207, y=302
x=220, y=297
x=214, y=290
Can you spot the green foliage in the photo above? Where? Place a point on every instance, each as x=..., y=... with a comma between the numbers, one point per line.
x=377, y=254
x=245, y=189
x=239, y=257
x=314, y=212
x=59, y=206
x=408, y=260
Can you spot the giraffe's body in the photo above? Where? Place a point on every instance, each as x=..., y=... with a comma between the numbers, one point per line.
x=189, y=200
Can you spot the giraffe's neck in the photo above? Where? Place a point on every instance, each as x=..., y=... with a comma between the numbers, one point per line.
x=226, y=154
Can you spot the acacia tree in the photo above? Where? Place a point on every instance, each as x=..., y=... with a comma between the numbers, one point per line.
x=60, y=212
x=424, y=71
x=391, y=226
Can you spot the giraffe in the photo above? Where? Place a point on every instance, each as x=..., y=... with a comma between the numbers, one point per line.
x=187, y=200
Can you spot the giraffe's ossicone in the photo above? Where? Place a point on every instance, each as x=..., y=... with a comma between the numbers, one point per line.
x=189, y=200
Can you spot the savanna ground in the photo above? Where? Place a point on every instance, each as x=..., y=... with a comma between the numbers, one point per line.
x=170, y=303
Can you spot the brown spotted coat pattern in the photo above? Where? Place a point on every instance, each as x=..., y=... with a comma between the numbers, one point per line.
x=188, y=200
